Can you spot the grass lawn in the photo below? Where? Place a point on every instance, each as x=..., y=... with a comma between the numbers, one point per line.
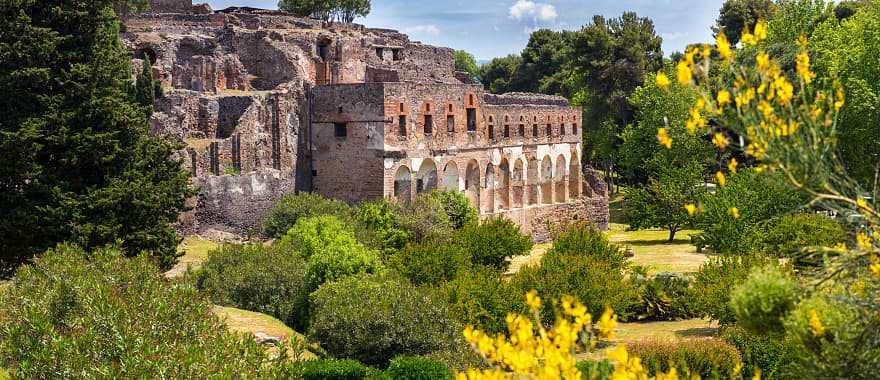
x=653, y=250
x=249, y=322
x=195, y=251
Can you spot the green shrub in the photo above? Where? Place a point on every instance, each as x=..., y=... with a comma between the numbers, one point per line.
x=73, y=314
x=430, y=262
x=767, y=351
x=373, y=319
x=331, y=249
x=786, y=235
x=664, y=297
x=264, y=279
x=381, y=217
x=293, y=207
x=582, y=264
x=417, y=368
x=331, y=369
x=764, y=299
x=457, y=207
x=483, y=299
x=709, y=358
x=715, y=280
x=595, y=370
x=490, y=243
x=757, y=196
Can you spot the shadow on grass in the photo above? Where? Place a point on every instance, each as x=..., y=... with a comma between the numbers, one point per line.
x=656, y=242
x=698, y=332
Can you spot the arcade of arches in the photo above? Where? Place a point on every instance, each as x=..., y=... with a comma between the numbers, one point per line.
x=495, y=187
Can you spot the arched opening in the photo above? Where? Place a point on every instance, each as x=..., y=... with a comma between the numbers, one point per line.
x=146, y=52
x=546, y=183
x=503, y=185
x=532, y=181
x=561, y=180
x=403, y=184
x=450, y=177
x=472, y=183
x=574, y=176
x=489, y=190
x=426, y=179
x=518, y=184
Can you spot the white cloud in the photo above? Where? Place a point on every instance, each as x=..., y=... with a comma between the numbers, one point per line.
x=431, y=30
x=527, y=9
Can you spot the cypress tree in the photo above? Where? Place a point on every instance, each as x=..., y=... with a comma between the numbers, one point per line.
x=145, y=88
x=77, y=161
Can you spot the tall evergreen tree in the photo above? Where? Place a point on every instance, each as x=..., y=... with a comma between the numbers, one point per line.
x=77, y=161
x=145, y=88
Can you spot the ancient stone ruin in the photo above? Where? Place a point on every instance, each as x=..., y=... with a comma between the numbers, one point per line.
x=267, y=104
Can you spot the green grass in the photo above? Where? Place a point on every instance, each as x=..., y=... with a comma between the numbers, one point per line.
x=195, y=251
x=628, y=332
x=249, y=323
x=653, y=250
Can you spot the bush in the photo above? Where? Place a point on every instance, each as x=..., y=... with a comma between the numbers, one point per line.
x=595, y=370
x=584, y=265
x=74, y=314
x=483, y=299
x=373, y=319
x=490, y=243
x=331, y=369
x=665, y=297
x=425, y=218
x=381, y=217
x=764, y=299
x=785, y=236
x=715, y=280
x=264, y=279
x=758, y=196
x=293, y=207
x=417, y=368
x=430, y=262
x=707, y=357
x=457, y=207
x=331, y=249
x=769, y=352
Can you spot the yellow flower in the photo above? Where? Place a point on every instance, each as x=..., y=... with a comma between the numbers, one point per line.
x=861, y=202
x=747, y=38
x=734, y=212
x=732, y=164
x=723, y=46
x=863, y=241
x=663, y=138
x=722, y=180
x=723, y=98
x=607, y=324
x=784, y=90
x=533, y=300
x=763, y=62
x=760, y=31
x=875, y=265
x=685, y=75
x=803, y=67
x=720, y=140
x=662, y=81
x=691, y=209
x=816, y=324
x=838, y=104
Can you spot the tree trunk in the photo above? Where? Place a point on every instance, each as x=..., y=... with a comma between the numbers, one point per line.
x=672, y=231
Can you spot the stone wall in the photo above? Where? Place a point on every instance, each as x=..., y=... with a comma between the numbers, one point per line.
x=238, y=202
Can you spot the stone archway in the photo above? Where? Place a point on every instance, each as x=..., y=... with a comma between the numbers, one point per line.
x=502, y=186
x=546, y=182
x=450, y=177
x=560, y=179
x=517, y=185
x=489, y=190
x=531, y=180
x=472, y=183
x=403, y=184
x=426, y=178
x=574, y=176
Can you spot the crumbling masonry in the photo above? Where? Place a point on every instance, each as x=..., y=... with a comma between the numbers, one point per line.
x=267, y=104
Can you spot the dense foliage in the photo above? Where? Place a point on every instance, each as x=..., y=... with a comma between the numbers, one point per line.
x=327, y=10
x=293, y=207
x=707, y=358
x=78, y=161
x=762, y=301
x=665, y=297
x=417, y=368
x=715, y=280
x=75, y=314
x=481, y=298
x=788, y=235
x=492, y=242
x=765, y=352
x=373, y=319
x=430, y=262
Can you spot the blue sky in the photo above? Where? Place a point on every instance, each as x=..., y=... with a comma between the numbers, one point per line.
x=493, y=28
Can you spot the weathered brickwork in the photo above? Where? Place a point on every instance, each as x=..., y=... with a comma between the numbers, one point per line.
x=267, y=104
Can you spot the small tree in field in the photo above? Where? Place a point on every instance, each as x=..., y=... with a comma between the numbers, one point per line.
x=662, y=202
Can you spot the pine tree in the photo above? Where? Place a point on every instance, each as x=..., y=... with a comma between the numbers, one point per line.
x=145, y=88
x=77, y=161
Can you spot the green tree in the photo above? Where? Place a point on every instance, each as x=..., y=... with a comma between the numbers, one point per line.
x=465, y=62
x=348, y=10
x=498, y=74
x=541, y=69
x=327, y=10
x=660, y=203
x=145, y=87
x=736, y=15
x=78, y=161
x=609, y=58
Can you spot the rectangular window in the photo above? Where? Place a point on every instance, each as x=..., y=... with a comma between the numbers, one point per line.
x=429, y=124
x=506, y=131
x=401, y=124
x=450, y=123
x=534, y=130
x=549, y=130
x=574, y=129
x=522, y=130
x=396, y=54
x=340, y=130
x=380, y=53
x=491, y=132
x=471, y=119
